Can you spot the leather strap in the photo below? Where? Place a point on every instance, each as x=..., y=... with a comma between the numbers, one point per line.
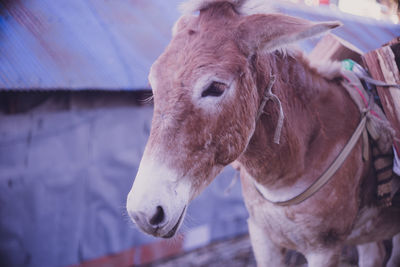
x=328, y=174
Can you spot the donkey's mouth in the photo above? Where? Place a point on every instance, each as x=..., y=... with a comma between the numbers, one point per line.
x=172, y=232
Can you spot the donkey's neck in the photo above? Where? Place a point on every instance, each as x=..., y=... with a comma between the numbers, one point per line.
x=319, y=118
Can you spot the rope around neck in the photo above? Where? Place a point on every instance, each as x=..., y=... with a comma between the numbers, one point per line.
x=268, y=95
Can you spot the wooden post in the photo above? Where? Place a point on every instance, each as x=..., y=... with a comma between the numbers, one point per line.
x=333, y=48
x=382, y=66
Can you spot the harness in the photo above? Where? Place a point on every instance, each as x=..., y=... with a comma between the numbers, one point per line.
x=372, y=122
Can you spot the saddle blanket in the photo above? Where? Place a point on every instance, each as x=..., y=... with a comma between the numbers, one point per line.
x=380, y=133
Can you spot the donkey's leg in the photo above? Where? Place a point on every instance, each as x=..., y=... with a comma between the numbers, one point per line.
x=394, y=260
x=371, y=254
x=265, y=252
x=324, y=258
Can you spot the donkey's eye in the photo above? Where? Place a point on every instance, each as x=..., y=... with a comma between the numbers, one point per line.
x=214, y=89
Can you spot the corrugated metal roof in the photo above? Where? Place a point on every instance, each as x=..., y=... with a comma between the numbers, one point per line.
x=110, y=45
x=74, y=44
x=365, y=33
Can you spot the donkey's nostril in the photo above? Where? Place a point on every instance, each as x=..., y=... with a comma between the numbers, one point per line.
x=158, y=217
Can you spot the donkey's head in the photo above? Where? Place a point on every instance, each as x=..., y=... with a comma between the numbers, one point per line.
x=206, y=98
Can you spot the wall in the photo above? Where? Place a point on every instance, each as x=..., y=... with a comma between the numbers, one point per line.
x=65, y=174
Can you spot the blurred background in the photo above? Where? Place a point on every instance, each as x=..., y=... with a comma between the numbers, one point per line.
x=74, y=120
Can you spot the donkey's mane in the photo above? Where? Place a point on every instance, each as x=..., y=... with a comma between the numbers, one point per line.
x=244, y=7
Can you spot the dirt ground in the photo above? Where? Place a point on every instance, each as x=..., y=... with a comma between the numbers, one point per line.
x=237, y=252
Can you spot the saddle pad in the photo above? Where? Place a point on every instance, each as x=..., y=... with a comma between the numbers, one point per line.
x=380, y=133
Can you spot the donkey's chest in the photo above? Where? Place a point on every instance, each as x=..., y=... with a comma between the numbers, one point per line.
x=309, y=225
x=291, y=230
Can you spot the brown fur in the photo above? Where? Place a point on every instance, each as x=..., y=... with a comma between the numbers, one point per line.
x=319, y=119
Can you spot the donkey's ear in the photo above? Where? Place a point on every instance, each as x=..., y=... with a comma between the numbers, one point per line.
x=273, y=31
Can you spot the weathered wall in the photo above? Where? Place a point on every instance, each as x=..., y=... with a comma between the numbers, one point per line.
x=65, y=175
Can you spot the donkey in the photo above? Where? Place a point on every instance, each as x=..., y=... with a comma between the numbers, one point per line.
x=209, y=86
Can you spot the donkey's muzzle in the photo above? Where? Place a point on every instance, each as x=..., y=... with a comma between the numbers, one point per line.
x=150, y=222
x=158, y=199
